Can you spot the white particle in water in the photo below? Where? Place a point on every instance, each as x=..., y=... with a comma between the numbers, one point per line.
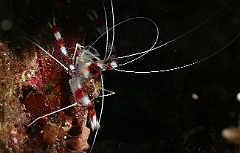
x=195, y=96
x=238, y=97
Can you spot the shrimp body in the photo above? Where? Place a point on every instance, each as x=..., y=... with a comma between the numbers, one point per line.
x=85, y=70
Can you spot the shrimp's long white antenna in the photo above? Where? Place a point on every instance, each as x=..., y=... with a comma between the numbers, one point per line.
x=106, y=25
x=113, y=28
x=100, y=115
x=145, y=52
x=152, y=49
x=49, y=54
x=129, y=19
x=181, y=67
x=74, y=104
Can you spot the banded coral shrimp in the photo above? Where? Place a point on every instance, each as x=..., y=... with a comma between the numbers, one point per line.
x=148, y=101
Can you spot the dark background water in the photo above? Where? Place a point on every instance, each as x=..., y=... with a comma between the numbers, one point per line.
x=157, y=107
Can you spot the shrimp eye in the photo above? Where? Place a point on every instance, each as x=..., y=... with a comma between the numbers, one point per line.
x=79, y=93
x=94, y=69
